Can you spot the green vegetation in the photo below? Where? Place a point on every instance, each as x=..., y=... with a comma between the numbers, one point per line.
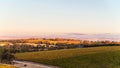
x=94, y=57
x=43, y=44
x=6, y=56
x=6, y=66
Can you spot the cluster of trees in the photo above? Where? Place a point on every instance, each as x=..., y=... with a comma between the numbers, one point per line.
x=86, y=43
x=67, y=46
x=6, y=56
x=30, y=48
x=20, y=48
x=59, y=44
x=27, y=48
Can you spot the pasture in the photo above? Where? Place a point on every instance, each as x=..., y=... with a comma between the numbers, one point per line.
x=94, y=57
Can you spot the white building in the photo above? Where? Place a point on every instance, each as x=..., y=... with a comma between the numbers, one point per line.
x=52, y=45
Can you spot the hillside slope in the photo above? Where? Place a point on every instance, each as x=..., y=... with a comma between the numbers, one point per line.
x=95, y=57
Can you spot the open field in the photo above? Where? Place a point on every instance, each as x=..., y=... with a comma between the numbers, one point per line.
x=94, y=57
x=6, y=66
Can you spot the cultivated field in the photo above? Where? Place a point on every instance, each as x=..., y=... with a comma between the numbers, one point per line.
x=94, y=57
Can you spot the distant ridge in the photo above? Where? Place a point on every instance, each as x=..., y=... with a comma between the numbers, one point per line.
x=80, y=36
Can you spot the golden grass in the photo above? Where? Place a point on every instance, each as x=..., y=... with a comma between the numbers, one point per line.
x=6, y=66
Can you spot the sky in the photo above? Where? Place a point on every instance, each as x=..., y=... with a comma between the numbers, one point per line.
x=59, y=16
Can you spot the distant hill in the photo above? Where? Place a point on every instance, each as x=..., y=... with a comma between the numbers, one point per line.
x=93, y=37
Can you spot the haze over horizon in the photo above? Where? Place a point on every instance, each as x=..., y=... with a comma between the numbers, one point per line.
x=79, y=36
x=34, y=17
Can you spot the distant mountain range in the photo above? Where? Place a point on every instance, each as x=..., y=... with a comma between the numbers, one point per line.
x=93, y=37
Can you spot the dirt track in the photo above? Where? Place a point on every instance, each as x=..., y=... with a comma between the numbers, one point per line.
x=25, y=64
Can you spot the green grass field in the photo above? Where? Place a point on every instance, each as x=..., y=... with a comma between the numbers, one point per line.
x=94, y=57
x=6, y=66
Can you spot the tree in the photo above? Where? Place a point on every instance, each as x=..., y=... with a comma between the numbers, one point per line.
x=6, y=56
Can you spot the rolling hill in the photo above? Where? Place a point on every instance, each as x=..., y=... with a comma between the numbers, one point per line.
x=94, y=57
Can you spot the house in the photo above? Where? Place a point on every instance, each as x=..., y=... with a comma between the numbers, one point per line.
x=52, y=45
x=43, y=45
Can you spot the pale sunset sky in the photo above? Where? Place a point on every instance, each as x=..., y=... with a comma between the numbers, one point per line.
x=59, y=16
